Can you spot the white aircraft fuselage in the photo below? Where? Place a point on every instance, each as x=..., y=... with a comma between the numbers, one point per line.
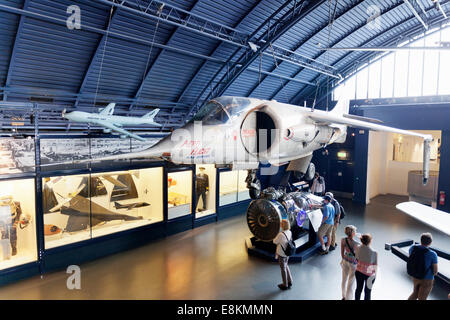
x=106, y=119
x=80, y=116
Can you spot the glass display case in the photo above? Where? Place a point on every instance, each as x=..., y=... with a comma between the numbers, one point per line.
x=80, y=207
x=179, y=194
x=205, y=190
x=243, y=193
x=17, y=223
x=233, y=187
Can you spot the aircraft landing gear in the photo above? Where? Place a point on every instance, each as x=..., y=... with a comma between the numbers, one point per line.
x=308, y=175
x=253, y=184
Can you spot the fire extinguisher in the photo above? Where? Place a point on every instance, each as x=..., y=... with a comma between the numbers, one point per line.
x=442, y=198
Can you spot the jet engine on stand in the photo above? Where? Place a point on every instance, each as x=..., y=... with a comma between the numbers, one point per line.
x=264, y=217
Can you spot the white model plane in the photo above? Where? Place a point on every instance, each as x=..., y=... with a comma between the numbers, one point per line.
x=105, y=118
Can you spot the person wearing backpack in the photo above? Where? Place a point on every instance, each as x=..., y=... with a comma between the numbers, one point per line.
x=422, y=266
x=282, y=241
x=337, y=219
x=326, y=227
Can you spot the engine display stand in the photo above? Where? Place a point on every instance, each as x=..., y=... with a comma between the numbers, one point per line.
x=305, y=240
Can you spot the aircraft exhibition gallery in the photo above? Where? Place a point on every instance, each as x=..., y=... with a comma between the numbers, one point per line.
x=142, y=124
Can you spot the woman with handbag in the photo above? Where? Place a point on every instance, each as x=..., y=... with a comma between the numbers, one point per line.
x=366, y=268
x=349, y=262
x=281, y=240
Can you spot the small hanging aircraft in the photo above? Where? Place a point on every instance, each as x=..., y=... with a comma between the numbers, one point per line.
x=105, y=118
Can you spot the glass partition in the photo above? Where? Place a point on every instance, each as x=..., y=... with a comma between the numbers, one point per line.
x=80, y=207
x=17, y=223
x=228, y=187
x=179, y=194
x=243, y=193
x=205, y=190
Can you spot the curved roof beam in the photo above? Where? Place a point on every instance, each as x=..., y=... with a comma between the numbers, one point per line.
x=154, y=63
x=170, y=14
x=273, y=32
x=13, y=54
x=393, y=40
x=298, y=46
x=356, y=29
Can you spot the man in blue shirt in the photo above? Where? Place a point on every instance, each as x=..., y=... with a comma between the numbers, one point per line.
x=326, y=227
x=423, y=286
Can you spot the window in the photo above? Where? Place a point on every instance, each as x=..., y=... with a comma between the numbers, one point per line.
x=415, y=74
x=361, y=84
x=374, y=80
x=403, y=73
x=387, y=76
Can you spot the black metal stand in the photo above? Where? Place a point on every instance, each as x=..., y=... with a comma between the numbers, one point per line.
x=305, y=241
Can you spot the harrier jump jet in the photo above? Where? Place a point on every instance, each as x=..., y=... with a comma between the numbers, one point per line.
x=240, y=133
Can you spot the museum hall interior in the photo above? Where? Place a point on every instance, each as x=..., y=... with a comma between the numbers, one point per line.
x=193, y=149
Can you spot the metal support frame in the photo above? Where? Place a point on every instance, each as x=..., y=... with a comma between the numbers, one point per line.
x=413, y=31
x=417, y=11
x=273, y=32
x=298, y=46
x=177, y=17
x=154, y=63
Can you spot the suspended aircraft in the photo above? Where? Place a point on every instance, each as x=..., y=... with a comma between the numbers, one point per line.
x=105, y=118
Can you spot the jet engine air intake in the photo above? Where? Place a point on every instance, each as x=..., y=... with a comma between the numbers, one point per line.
x=258, y=131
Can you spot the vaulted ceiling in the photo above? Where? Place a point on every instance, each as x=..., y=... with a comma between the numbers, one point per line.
x=176, y=54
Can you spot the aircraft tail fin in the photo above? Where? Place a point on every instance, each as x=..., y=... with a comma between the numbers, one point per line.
x=151, y=115
x=118, y=205
x=108, y=110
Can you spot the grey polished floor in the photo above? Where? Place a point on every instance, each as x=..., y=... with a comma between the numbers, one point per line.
x=211, y=262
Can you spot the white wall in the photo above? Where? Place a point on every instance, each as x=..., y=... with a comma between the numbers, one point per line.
x=385, y=176
x=376, y=164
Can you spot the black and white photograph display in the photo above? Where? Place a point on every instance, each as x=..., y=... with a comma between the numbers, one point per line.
x=16, y=155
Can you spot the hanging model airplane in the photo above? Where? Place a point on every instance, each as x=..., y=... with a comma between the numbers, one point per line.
x=105, y=118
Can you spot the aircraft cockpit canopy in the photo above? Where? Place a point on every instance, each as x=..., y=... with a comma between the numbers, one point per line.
x=221, y=110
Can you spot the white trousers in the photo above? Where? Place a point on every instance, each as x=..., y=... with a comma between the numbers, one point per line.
x=348, y=279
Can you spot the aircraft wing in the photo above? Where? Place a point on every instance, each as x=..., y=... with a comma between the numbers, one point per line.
x=113, y=127
x=68, y=199
x=114, y=181
x=437, y=219
x=333, y=118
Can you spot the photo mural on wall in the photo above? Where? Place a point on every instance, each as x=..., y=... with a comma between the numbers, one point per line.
x=16, y=155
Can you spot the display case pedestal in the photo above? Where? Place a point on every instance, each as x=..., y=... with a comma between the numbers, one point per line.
x=306, y=244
